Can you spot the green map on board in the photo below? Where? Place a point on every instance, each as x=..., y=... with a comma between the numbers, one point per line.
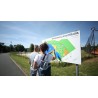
x=63, y=47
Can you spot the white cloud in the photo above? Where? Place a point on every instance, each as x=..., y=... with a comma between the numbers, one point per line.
x=19, y=36
x=20, y=30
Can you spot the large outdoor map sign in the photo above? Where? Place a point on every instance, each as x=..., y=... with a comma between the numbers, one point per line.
x=67, y=47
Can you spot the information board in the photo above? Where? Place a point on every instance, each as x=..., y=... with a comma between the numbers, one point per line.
x=67, y=47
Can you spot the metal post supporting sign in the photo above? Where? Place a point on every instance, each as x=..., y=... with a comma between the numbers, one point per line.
x=77, y=70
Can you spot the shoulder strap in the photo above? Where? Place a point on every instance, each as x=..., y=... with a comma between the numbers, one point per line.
x=44, y=57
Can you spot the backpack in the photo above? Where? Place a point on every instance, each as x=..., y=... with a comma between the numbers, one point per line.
x=44, y=64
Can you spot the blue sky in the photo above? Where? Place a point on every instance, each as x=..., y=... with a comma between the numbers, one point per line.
x=27, y=32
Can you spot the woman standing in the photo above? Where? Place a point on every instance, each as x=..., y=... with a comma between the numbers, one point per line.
x=43, y=58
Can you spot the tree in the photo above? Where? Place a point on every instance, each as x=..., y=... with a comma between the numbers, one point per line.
x=4, y=48
x=11, y=47
x=19, y=47
x=25, y=50
x=97, y=46
x=1, y=46
x=31, y=47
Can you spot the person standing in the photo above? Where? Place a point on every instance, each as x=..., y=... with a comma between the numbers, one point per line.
x=44, y=57
x=33, y=72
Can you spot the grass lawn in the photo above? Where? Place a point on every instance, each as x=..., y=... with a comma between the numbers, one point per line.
x=89, y=66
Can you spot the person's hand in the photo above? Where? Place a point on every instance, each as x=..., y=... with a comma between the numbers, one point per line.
x=54, y=55
x=54, y=51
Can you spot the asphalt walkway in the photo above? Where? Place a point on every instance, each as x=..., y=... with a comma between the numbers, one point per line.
x=8, y=67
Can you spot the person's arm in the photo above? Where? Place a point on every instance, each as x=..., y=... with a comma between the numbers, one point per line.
x=54, y=57
x=35, y=65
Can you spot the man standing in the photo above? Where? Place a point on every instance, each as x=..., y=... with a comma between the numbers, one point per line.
x=33, y=72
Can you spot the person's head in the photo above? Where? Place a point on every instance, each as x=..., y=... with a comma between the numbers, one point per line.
x=43, y=47
x=36, y=48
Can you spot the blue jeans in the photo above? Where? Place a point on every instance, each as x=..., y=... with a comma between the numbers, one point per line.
x=33, y=72
x=46, y=72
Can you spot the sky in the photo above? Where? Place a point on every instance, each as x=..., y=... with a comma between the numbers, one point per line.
x=27, y=32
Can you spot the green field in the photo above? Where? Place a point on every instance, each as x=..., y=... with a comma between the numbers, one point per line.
x=89, y=66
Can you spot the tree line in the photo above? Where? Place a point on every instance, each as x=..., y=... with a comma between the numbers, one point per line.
x=15, y=48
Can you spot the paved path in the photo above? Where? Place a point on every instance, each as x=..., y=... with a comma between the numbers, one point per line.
x=8, y=67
